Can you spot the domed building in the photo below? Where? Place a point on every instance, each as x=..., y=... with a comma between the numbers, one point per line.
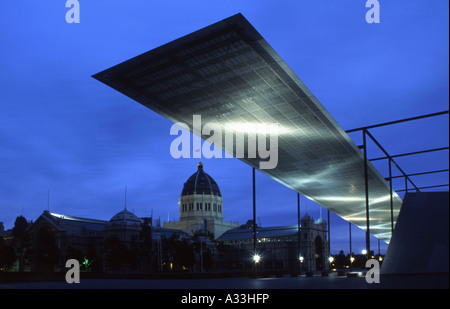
x=201, y=206
x=125, y=224
x=125, y=217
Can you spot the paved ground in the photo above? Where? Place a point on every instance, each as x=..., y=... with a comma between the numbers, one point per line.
x=286, y=282
x=270, y=292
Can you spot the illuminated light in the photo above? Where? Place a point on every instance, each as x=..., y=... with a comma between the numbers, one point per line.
x=359, y=219
x=354, y=218
x=352, y=259
x=356, y=199
x=385, y=234
x=341, y=199
x=387, y=211
x=301, y=258
x=86, y=263
x=364, y=251
x=256, y=258
x=331, y=259
x=381, y=199
x=380, y=228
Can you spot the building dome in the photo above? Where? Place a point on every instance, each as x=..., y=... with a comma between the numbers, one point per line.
x=125, y=216
x=319, y=221
x=201, y=207
x=200, y=183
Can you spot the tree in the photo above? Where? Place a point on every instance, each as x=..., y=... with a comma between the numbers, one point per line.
x=19, y=230
x=47, y=252
x=180, y=252
x=116, y=252
x=75, y=254
x=94, y=260
x=340, y=260
x=184, y=254
x=21, y=240
x=7, y=255
x=200, y=239
x=145, y=251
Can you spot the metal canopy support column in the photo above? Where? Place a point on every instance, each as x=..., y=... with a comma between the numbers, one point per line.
x=255, y=258
x=254, y=212
x=299, y=234
x=391, y=196
x=350, y=238
x=329, y=235
x=366, y=185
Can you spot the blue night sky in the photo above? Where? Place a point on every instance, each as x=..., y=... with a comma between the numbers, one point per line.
x=64, y=132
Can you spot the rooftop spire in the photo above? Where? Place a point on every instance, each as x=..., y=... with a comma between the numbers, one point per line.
x=200, y=166
x=125, y=197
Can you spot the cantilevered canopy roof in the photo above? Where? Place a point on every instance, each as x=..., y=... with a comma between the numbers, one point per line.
x=228, y=73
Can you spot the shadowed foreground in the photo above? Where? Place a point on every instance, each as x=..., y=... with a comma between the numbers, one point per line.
x=437, y=281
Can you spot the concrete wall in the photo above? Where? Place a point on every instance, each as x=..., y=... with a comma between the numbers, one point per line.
x=420, y=242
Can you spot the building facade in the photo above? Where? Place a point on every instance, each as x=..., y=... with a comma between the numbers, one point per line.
x=55, y=238
x=279, y=248
x=128, y=243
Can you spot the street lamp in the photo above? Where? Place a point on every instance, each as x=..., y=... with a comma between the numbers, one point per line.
x=352, y=259
x=301, y=259
x=330, y=263
x=256, y=260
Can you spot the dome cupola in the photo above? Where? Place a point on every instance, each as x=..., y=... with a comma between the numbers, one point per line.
x=125, y=217
x=200, y=198
x=201, y=206
x=200, y=183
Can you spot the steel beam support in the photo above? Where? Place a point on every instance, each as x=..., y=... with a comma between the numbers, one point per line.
x=366, y=185
x=299, y=238
x=410, y=153
x=398, y=121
